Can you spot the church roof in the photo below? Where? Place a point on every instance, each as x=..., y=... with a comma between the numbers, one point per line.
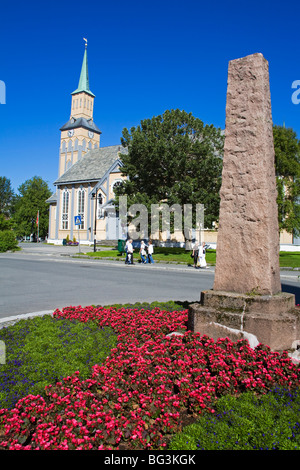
x=92, y=166
x=88, y=124
x=83, y=84
x=52, y=198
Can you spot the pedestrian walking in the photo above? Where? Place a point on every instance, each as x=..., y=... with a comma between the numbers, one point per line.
x=202, y=260
x=126, y=251
x=143, y=252
x=195, y=254
x=130, y=252
x=150, y=252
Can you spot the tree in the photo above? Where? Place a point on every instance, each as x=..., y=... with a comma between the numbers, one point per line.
x=8, y=239
x=287, y=167
x=173, y=158
x=7, y=197
x=33, y=196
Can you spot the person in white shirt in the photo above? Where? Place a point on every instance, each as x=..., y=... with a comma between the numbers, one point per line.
x=150, y=252
x=202, y=259
x=130, y=251
x=143, y=251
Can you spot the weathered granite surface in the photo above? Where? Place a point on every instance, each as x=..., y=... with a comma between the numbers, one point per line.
x=248, y=234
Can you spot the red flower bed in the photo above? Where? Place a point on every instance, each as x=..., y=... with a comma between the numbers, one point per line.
x=148, y=386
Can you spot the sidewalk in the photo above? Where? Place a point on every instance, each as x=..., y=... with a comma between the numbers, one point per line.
x=60, y=251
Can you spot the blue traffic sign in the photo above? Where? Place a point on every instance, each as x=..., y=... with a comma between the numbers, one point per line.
x=77, y=219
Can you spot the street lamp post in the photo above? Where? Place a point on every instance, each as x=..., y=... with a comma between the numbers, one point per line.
x=95, y=218
x=95, y=224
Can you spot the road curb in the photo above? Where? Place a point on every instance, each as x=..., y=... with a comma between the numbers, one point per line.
x=9, y=321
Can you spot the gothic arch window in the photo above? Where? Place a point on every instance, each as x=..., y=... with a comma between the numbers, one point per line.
x=81, y=206
x=63, y=147
x=83, y=144
x=76, y=144
x=65, y=209
x=69, y=145
x=68, y=164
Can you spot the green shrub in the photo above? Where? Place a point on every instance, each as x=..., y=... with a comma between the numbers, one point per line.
x=271, y=422
x=8, y=241
x=43, y=350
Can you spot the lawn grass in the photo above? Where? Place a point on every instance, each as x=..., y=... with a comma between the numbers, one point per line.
x=164, y=255
x=180, y=255
x=289, y=259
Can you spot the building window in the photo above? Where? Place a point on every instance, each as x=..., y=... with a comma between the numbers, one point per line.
x=80, y=206
x=115, y=184
x=65, y=210
x=100, y=210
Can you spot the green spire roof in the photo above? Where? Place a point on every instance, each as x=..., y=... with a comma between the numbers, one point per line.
x=83, y=84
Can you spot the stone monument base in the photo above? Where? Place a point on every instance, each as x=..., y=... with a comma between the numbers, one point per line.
x=269, y=319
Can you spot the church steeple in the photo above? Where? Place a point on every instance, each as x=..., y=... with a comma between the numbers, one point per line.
x=82, y=97
x=80, y=134
x=83, y=85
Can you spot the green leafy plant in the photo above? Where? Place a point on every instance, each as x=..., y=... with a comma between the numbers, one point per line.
x=8, y=241
x=43, y=350
x=269, y=422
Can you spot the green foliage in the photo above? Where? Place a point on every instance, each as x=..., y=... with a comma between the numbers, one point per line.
x=247, y=422
x=5, y=224
x=33, y=196
x=8, y=241
x=7, y=197
x=287, y=165
x=43, y=350
x=173, y=158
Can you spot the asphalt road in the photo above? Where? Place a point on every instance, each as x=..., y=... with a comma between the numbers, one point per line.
x=44, y=277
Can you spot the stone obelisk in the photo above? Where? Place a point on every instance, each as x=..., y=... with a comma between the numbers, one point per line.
x=246, y=300
x=248, y=234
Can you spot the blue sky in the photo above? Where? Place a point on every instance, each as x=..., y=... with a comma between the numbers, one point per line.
x=144, y=57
